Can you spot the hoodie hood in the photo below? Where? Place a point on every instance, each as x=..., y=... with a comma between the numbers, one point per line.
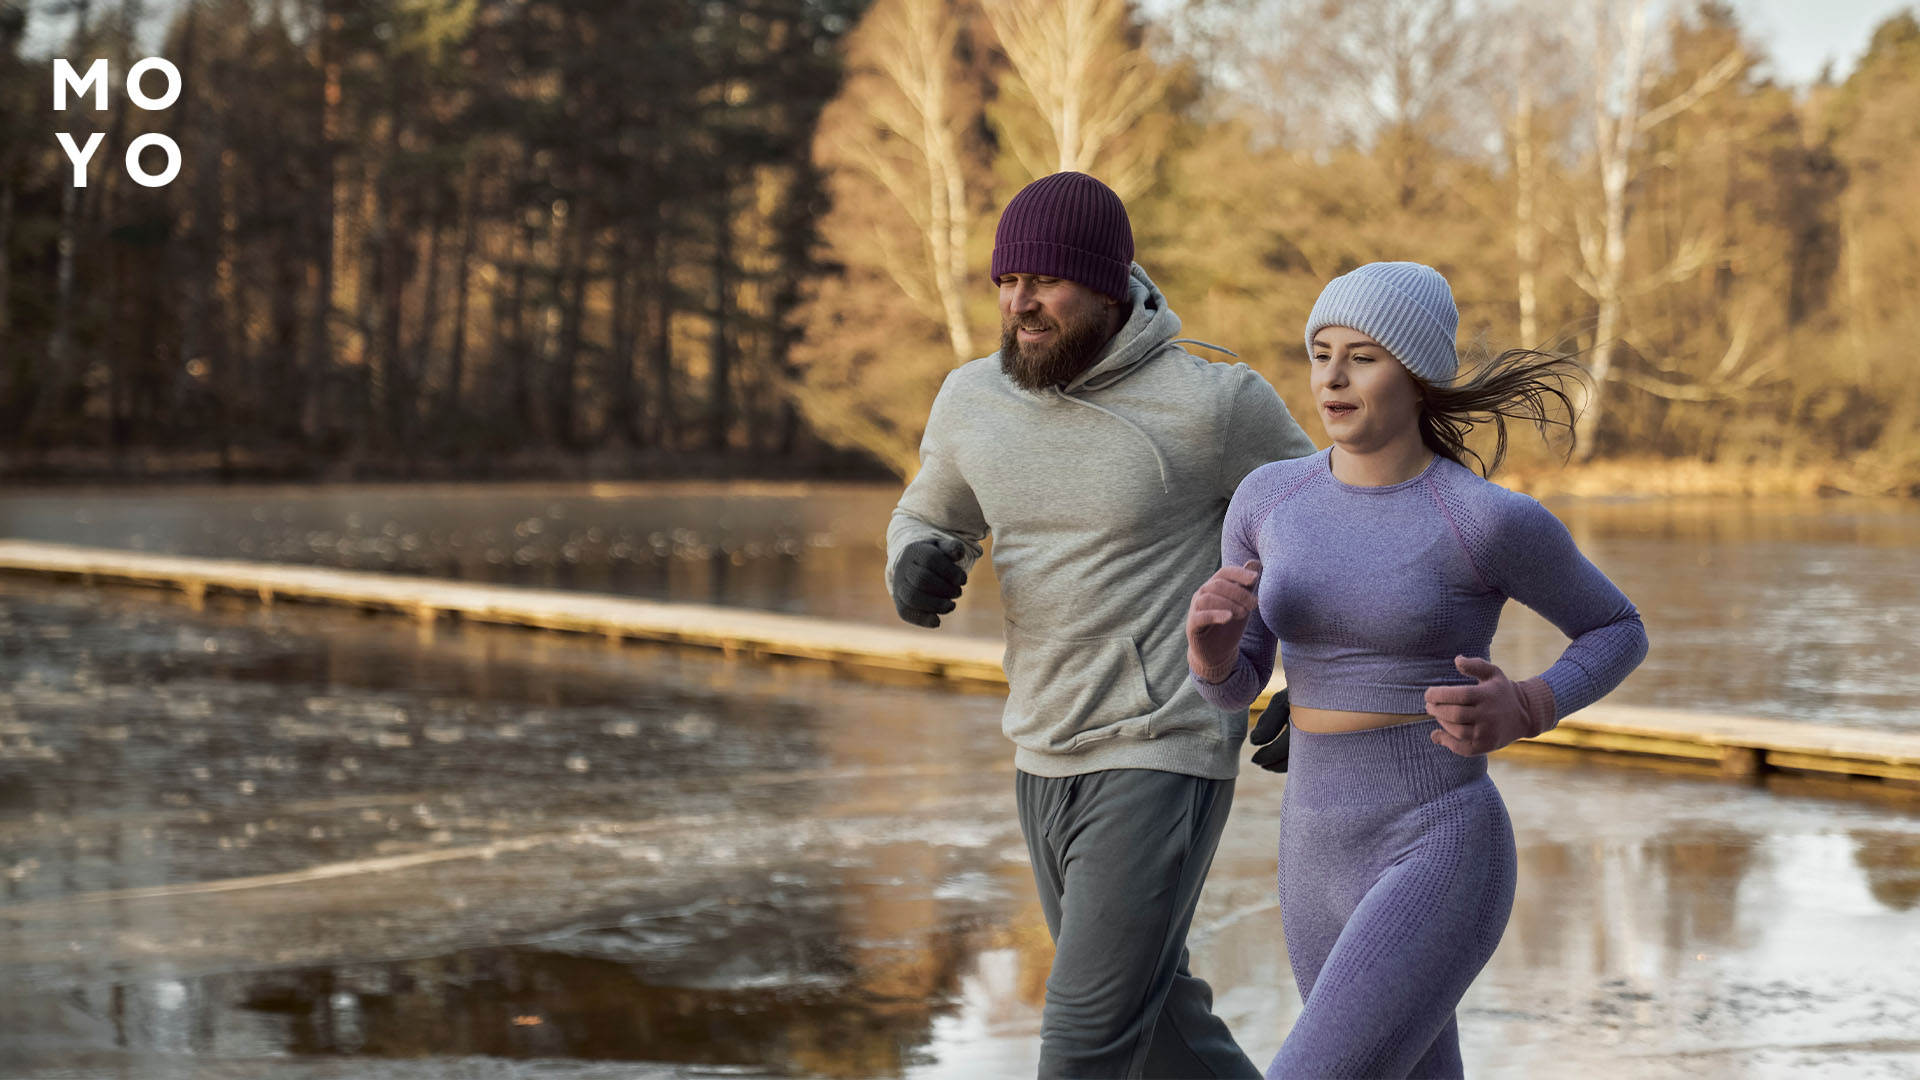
x=1149, y=328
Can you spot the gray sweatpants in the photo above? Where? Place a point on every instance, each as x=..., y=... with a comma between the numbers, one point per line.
x=1119, y=857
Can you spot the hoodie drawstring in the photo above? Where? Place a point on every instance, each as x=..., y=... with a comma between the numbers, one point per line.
x=1205, y=345
x=1158, y=459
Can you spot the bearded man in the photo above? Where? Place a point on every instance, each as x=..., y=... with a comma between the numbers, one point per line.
x=1100, y=456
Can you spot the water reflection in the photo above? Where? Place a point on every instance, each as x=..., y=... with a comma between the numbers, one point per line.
x=538, y=1002
x=1891, y=862
x=1703, y=869
x=780, y=547
x=1646, y=906
x=325, y=836
x=1795, y=609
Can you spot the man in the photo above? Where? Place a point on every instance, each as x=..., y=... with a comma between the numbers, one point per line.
x=1100, y=456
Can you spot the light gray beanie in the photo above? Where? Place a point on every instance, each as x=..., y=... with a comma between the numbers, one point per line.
x=1406, y=307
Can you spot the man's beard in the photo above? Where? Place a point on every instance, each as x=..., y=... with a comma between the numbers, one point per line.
x=1075, y=346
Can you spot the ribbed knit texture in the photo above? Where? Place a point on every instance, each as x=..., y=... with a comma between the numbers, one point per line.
x=1067, y=225
x=1406, y=307
x=1396, y=880
x=1369, y=593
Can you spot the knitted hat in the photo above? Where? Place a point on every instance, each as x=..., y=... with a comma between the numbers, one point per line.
x=1404, y=306
x=1067, y=225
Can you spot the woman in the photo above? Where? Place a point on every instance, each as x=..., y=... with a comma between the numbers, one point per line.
x=1379, y=567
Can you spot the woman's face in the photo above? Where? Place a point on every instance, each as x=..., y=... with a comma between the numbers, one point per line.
x=1365, y=397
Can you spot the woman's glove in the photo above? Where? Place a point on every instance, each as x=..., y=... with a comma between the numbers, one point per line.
x=1491, y=713
x=1217, y=617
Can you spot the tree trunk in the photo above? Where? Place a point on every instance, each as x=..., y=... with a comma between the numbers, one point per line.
x=574, y=277
x=365, y=242
x=666, y=432
x=238, y=375
x=390, y=282
x=922, y=73
x=323, y=209
x=284, y=387
x=720, y=344
x=429, y=320
x=1526, y=230
x=1615, y=137
x=457, y=354
x=57, y=377
x=519, y=363
x=624, y=343
x=191, y=250
x=948, y=193
x=6, y=261
x=1605, y=334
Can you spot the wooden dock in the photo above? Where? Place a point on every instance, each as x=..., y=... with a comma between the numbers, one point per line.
x=1735, y=745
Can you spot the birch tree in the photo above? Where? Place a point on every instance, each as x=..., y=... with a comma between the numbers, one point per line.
x=1081, y=71
x=1614, y=33
x=916, y=109
x=906, y=182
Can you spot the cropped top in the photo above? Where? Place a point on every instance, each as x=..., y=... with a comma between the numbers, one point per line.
x=1370, y=592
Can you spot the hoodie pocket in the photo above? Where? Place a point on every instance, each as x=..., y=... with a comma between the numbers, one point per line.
x=1066, y=692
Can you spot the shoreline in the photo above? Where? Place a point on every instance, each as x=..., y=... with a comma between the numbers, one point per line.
x=1735, y=747
x=1614, y=478
x=284, y=467
x=1669, y=478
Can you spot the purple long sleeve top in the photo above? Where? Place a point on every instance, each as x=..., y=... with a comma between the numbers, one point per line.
x=1370, y=592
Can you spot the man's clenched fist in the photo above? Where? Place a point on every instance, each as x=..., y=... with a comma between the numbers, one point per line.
x=927, y=580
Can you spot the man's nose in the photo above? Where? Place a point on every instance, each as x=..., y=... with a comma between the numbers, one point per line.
x=1021, y=298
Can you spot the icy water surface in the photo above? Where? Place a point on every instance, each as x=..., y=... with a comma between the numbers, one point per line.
x=1793, y=609
x=306, y=843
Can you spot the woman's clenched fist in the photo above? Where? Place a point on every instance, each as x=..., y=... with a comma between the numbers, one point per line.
x=1217, y=617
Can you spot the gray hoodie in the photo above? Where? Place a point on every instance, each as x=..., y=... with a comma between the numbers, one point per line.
x=1104, y=501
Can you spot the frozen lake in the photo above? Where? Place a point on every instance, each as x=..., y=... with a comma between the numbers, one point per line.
x=1802, y=610
x=309, y=843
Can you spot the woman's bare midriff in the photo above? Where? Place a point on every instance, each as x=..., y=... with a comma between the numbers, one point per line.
x=1335, y=721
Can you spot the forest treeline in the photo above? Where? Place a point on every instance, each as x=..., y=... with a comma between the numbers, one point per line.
x=662, y=232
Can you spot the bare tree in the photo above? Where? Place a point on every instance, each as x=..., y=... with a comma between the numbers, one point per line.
x=1406, y=74
x=1091, y=83
x=1538, y=95
x=911, y=148
x=60, y=373
x=884, y=330
x=13, y=26
x=1526, y=224
x=1614, y=33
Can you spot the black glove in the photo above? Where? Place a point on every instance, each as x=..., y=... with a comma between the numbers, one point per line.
x=927, y=579
x=1270, y=734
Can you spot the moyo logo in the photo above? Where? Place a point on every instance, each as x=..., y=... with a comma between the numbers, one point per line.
x=64, y=78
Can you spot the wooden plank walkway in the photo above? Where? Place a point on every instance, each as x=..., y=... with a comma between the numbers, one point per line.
x=1737, y=745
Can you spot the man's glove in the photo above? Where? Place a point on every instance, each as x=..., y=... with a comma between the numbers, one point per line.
x=1270, y=734
x=927, y=579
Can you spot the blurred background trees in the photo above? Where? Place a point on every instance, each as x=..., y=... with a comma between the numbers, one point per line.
x=752, y=234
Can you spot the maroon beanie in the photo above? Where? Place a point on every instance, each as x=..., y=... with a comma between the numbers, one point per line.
x=1067, y=225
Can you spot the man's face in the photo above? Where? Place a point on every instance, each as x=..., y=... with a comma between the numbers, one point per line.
x=1051, y=329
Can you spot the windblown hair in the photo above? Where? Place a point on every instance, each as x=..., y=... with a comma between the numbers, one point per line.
x=1519, y=384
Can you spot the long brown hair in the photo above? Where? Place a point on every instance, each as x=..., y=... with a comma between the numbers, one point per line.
x=1519, y=384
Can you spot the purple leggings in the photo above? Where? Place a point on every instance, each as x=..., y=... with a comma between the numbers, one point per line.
x=1396, y=880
